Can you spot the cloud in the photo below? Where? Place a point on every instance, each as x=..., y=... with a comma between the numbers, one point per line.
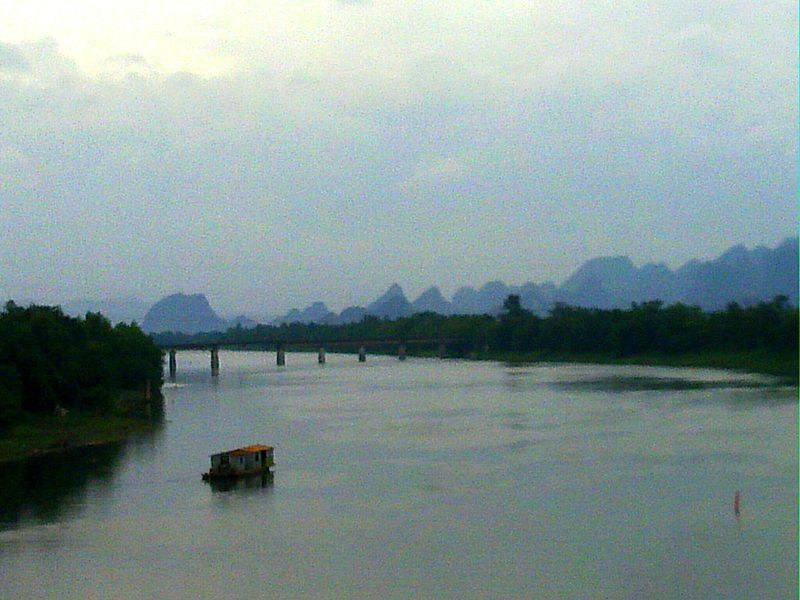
x=435, y=173
x=13, y=166
x=546, y=132
x=127, y=65
x=11, y=58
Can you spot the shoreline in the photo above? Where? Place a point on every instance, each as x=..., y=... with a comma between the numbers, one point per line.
x=37, y=435
x=784, y=368
x=40, y=435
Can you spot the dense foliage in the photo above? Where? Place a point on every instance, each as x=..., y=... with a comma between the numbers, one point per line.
x=48, y=359
x=649, y=328
x=470, y=331
x=644, y=329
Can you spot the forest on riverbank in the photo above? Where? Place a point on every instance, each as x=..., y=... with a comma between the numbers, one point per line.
x=71, y=381
x=762, y=337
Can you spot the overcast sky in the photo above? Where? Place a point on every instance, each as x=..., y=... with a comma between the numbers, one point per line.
x=271, y=153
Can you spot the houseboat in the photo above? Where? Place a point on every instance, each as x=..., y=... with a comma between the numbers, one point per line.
x=241, y=462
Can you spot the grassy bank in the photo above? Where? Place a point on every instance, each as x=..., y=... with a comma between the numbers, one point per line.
x=33, y=434
x=784, y=366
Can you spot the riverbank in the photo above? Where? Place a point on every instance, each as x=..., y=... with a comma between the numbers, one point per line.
x=42, y=434
x=764, y=363
x=783, y=366
x=36, y=434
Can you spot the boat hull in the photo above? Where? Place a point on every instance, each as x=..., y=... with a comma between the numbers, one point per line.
x=230, y=475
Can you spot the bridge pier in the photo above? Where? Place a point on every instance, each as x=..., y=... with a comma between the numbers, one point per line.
x=173, y=363
x=362, y=354
x=401, y=352
x=214, y=361
x=281, y=356
x=321, y=356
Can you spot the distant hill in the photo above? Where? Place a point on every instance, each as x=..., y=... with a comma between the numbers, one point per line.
x=741, y=275
x=392, y=305
x=488, y=299
x=604, y=282
x=183, y=313
x=315, y=313
x=537, y=298
x=353, y=314
x=242, y=321
x=431, y=300
x=738, y=275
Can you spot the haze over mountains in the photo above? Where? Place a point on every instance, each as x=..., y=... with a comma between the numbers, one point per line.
x=116, y=310
x=739, y=275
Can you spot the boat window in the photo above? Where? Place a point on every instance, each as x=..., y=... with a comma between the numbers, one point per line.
x=256, y=457
x=241, y=459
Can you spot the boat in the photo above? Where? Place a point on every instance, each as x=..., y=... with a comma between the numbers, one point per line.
x=257, y=459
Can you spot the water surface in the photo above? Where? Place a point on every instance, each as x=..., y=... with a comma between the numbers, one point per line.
x=424, y=479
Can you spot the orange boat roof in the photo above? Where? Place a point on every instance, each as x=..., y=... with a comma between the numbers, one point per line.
x=249, y=449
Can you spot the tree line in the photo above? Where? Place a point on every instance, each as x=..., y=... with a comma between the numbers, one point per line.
x=50, y=360
x=650, y=327
x=644, y=328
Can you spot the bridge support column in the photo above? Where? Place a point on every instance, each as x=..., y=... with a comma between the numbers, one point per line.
x=401, y=352
x=321, y=356
x=362, y=354
x=173, y=363
x=281, y=356
x=214, y=361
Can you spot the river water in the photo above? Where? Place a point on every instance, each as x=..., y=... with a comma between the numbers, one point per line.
x=424, y=479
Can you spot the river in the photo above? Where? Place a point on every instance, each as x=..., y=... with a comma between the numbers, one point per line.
x=424, y=479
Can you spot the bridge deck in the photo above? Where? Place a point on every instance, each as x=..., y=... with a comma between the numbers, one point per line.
x=274, y=343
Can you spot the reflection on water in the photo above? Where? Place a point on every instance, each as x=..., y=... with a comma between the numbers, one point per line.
x=54, y=485
x=430, y=479
x=43, y=487
x=254, y=482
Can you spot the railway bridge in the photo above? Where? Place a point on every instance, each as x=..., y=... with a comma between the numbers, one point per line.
x=280, y=348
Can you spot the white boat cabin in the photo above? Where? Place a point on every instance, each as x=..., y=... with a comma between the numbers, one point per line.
x=243, y=460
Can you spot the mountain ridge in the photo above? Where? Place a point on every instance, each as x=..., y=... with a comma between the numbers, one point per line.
x=737, y=275
x=184, y=313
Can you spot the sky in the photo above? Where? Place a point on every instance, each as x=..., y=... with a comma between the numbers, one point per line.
x=274, y=153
